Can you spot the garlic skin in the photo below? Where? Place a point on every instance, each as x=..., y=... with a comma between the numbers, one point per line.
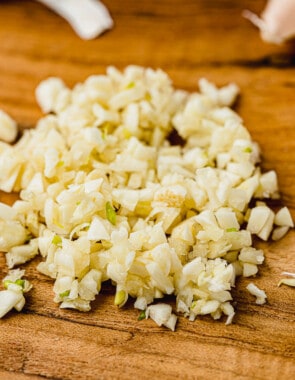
x=276, y=23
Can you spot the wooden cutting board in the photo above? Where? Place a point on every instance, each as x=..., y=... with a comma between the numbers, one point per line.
x=189, y=39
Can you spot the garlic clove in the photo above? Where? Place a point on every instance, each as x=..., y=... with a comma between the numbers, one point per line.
x=276, y=23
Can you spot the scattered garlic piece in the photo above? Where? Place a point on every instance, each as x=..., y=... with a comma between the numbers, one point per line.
x=8, y=128
x=288, y=281
x=12, y=296
x=257, y=219
x=21, y=254
x=162, y=314
x=279, y=232
x=258, y=293
x=50, y=93
x=283, y=218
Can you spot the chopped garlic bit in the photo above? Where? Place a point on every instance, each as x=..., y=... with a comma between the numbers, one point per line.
x=104, y=194
x=12, y=296
x=8, y=128
x=13, y=233
x=283, y=218
x=52, y=95
x=162, y=314
x=283, y=221
x=288, y=281
x=258, y=293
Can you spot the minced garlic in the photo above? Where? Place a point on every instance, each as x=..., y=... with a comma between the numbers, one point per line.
x=105, y=195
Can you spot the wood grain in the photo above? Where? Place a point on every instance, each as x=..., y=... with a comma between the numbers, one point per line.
x=189, y=39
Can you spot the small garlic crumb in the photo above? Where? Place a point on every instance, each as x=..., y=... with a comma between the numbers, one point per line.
x=48, y=93
x=162, y=315
x=288, y=281
x=258, y=293
x=8, y=128
x=12, y=296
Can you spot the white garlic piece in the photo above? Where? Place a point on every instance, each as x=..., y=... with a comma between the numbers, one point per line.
x=88, y=18
x=276, y=23
x=8, y=128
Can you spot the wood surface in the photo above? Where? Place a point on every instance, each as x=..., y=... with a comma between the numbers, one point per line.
x=189, y=39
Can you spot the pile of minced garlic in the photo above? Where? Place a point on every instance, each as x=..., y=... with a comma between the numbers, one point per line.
x=105, y=195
